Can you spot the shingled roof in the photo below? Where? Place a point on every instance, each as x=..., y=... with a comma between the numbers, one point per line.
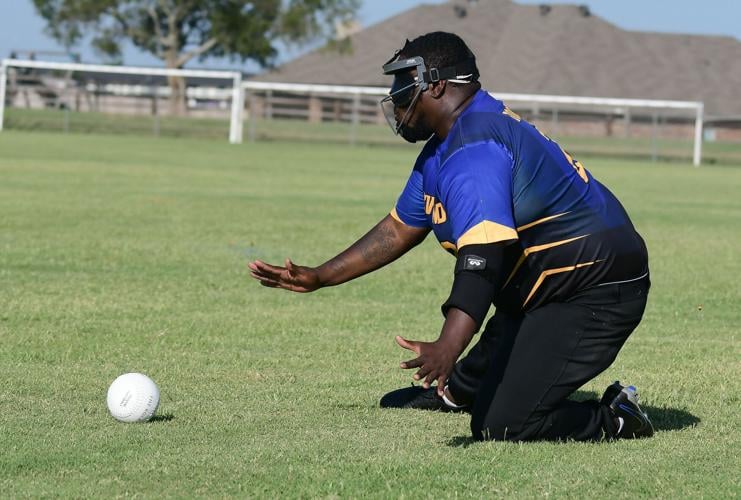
x=556, y=49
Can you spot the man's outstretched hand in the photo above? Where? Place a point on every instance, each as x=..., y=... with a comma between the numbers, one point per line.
x=436, y=360
x=291, y=277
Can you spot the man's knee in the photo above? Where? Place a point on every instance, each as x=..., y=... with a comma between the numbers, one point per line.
x=497, y=433
x=499, y=427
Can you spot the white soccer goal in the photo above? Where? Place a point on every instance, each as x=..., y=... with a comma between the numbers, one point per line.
x=52, y=85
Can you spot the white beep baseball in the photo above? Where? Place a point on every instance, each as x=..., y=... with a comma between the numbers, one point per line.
x=133, y=397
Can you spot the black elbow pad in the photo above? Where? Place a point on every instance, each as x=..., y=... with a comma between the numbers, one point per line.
x=476, y=280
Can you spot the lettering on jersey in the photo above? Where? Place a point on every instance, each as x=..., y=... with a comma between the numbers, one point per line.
x=574, y=163
x=577, y=165
x=438, y=215
x=580, y=170
x=429, y=204
x=436, y=209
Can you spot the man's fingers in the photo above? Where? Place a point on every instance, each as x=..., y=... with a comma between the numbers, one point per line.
x=407, y=344
x=258, y=265
x=262, y=271
x=291, y=278
x=266, y=270
x=412, y=363
x=441, y=381
x=274, y=283
x=422, y=373
x=261, y=276
x=265, y=281
x=257, y=273
x=258, y=276
x=430, y=378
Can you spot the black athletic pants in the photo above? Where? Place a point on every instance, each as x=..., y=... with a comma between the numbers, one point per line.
x=518, y=377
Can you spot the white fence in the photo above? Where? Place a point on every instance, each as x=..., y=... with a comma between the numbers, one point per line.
x=241, y=90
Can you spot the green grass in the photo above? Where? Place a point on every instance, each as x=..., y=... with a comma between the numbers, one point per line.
x=128, y=254
x=52, y=120
x=60, y=120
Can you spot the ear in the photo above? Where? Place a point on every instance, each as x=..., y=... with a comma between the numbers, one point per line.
x=437, y=89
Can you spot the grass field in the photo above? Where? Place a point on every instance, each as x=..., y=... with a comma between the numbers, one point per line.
x=127, y=254
x=54, y=120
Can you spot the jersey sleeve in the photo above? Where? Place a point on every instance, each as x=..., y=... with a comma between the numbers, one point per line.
x=476, y=190
x=410, y=207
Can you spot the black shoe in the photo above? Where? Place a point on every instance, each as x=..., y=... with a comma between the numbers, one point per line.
x=611, y=393
x=632, y=421
x=418, y=398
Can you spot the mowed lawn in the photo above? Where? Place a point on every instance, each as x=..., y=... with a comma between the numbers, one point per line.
x=126, y=254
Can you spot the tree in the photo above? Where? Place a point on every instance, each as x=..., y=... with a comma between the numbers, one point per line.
x=178, y=31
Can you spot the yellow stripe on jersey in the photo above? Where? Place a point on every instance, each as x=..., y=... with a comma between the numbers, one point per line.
x=551, y=272
x=540, y=221
x=449, y=246
x=537, y=248
x=546, y=246
x=486, y=232
x=396, y=215
x=511, y=114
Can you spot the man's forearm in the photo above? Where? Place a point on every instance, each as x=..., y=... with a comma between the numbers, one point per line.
x=383, y=244
x=458, y=330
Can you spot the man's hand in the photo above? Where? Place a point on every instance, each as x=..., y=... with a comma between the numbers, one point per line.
x=435, y=360
x=291, y=277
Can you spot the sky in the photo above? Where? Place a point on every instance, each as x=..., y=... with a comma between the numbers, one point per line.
x=22, y=29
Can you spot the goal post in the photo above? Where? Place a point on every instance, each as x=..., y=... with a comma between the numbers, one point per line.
x=236, y=91
x=3, y=82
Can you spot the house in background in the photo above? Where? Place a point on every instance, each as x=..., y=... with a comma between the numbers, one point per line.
x=543, y=49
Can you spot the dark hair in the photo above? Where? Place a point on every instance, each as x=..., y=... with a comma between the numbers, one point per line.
x=440, y=50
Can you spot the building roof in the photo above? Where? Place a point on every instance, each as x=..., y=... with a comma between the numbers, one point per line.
x=554, y=49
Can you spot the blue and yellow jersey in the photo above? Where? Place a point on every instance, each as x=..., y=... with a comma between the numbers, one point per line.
x=497, y=178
